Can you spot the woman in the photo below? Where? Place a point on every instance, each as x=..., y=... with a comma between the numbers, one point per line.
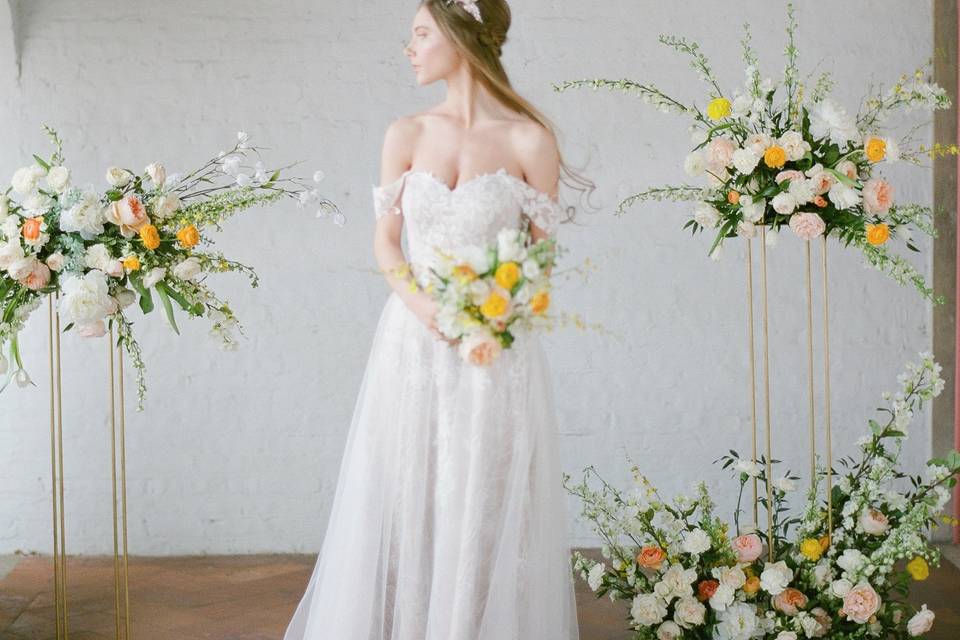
x=449, y=520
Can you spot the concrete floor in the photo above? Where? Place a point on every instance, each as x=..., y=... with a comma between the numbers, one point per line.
x=253, y=597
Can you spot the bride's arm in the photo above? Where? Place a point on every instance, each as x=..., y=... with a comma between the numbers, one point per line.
x=395, y=159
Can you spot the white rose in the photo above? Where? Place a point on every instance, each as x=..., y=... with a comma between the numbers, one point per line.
x=794, y=144
x=10, y=252
x=696, y=541
x=752, y=209
x=154, y=276
x=157, y=173
x=694, y=164
x=55, y=261
x=118, y=177
x=841, y=587
x=85, y=298
x=84, y=217
x=675, y=582
x=706, y=215
x=689, y=612
x=745, y=161
x=595, y=576
x=776, y=576
x=669, y=630
x=647, y=609
x=58, y=178
x=874, y=521
x=784, y=203
x=921, y=622
x=187, y=269
x=165, y=206
x=25, y=179
x=843, y=197
x=731, y=576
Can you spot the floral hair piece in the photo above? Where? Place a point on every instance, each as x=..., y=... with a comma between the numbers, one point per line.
x=470, y=6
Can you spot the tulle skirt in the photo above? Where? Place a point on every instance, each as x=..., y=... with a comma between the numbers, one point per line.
x=448, y=521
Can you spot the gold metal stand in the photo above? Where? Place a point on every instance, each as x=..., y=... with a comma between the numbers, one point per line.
x=56, y=470
x=116, y=385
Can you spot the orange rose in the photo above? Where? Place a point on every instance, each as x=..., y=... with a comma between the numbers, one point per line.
x=188, y=236
x=775, y=157
x=706, y=589
x=150, y=236
x=790, y=601
x=877, y=234
x=650, y=557
x=31, y=229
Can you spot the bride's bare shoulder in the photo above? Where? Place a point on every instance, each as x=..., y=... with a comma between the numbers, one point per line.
x=536, y=148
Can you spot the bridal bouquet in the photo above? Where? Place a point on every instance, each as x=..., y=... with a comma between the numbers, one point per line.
x=778, y=154
x=484, y=293
x=137, y=241
x=687, y=574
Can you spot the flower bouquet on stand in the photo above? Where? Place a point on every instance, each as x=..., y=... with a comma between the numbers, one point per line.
x=143, y=239
x=830, y=572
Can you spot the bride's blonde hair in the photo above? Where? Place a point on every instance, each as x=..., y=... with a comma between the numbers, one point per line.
x=481, y=44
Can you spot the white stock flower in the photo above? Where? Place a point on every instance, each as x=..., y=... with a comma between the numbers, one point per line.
x=851, y=560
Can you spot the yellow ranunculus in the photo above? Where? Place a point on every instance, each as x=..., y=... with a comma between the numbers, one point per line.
x=811, y=549
x=877, y=234
x=540, y=302
x=918, y=568
x=718, y=108
x=131, y=263
x=875, y=148
x=775, y=157
x=464, y=273
x=494, y=306
x=150, y=236
x=188, y=236
x=507, y=275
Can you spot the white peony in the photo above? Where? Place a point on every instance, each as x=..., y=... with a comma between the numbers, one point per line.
x=746, y=229
x=776, y=577
x=737, y=622
x=84, y=217
x=696, y=541
x=187, y=269
x=752, y=208
x=647, y=609
x=689, y=612
x=86, y=298
x=25, y=179
x=829, y=120
x=58, y=178
x=921, y=622
x=784, y=203
x=794, y=144
x=118, y=177
x=843, y=197
x=669, y=630
x=706, y=215
x=675, y=583
x=97, y=256
x=694, y=164
x=840, y=587
x=745, y=161
x=801, y=190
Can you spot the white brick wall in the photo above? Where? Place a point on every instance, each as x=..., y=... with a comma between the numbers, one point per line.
x=239, y=452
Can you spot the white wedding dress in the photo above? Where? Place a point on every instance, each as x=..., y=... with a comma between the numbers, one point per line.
x=448, y=521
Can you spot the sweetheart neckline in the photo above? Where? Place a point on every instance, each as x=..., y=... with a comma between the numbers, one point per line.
x=502, y=171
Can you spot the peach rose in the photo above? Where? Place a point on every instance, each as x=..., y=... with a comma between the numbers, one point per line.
x=860, y=603
x=790, y=601
x=820, y=201
x=789, y=174
x=650, y=557
x=821, y=182
x=877, y=196
x=874, y=522
x=748, y=547
x=719, y=153
x=706, y=589
x=129, y=214
x=38, y=277
x=807, y=225
x=847, y=168
x=480, y=348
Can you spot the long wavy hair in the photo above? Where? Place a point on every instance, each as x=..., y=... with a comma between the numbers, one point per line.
x=481, y=44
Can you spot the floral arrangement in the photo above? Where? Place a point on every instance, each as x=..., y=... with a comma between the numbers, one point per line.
x=137, y=241
x=687, y=575
x=778, y=154
x=484, y=293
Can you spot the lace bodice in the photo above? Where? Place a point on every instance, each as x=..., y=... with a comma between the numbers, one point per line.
x=469, y=214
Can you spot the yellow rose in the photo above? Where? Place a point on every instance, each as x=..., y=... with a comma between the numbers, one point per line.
x=149, y=236
x=718, y=108
x=811, y=549
x=877, y=234
x=188, y=236
x=464, y=273
x=918, y=568
x=876, y=149
x=540, y=301
x=507, y=275
x=775, y=157
x=494, y=306
x=131, y=263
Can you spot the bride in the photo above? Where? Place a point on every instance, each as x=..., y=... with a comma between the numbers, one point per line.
x=448, y=521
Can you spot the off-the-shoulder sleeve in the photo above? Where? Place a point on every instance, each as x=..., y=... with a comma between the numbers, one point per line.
x=543, y=211
x=386, y=198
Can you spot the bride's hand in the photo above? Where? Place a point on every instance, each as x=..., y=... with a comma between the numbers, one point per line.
x=425, y=308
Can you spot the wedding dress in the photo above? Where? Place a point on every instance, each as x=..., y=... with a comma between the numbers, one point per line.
x=448, y=521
